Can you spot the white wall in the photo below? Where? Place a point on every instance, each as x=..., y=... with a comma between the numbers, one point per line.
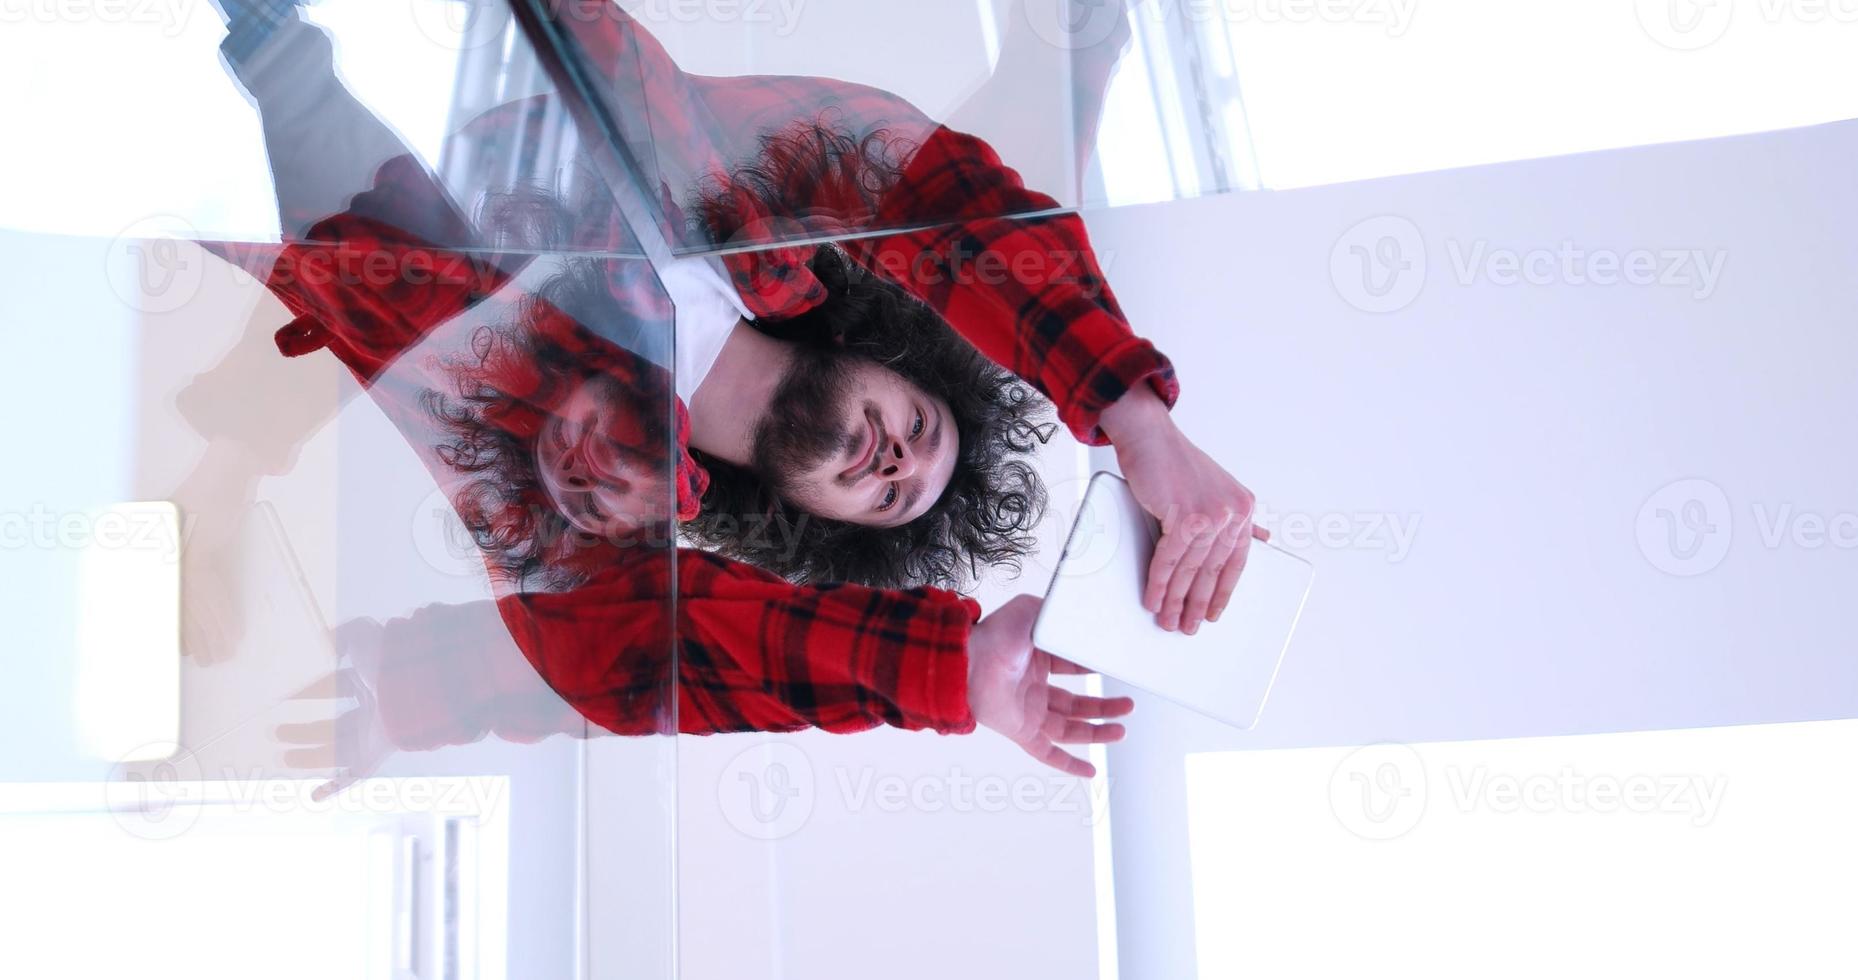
x=1532, y=432
x=911, y=854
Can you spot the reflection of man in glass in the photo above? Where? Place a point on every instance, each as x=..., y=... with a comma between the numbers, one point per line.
x=849, y=415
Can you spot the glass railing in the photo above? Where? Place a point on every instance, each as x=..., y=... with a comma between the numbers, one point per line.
x=237, y=588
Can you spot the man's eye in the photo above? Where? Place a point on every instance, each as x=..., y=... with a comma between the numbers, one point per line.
x=916, y=429
x=890, y=498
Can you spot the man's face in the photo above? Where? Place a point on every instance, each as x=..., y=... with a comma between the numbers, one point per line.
x=844, y=439
x=847, y=439
x=598, y=467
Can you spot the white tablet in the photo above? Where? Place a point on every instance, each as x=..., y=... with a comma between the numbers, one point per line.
x=1093, y=613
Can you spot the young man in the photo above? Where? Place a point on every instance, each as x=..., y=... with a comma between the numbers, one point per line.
x=726, y=647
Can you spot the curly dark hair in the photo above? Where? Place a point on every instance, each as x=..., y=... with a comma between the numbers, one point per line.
x=504, y=388
x=994, y=499
x=820, y=173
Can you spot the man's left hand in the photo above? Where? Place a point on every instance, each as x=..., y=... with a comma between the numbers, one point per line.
x=1205, y=514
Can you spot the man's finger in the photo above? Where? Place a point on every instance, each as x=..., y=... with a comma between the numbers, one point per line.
x=1071, y=731
x=1060, y=665
x=1168, y=553
x=1050, y=754
x=1193, y=610
x=1260, y=533
x=317, y=757
x=1084, y=706
x=1197, y=556
x=1229, y=578
x=342, y=781
x=308, y=732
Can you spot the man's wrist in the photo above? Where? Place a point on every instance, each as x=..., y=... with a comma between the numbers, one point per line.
x=1139, y=410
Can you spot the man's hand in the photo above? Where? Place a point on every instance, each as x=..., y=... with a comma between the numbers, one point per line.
x=352, y=745
x=214, y=500
x=1205, y=514
x=1010, y=691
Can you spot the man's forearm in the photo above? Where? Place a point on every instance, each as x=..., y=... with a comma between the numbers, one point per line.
x=1137, y=413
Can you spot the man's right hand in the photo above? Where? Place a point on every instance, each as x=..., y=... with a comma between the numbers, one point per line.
x=1010, y=691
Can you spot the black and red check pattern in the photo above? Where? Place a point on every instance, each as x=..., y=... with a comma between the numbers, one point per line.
x=734, y=648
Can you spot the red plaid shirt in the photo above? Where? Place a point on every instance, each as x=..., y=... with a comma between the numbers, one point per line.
x=734, y=648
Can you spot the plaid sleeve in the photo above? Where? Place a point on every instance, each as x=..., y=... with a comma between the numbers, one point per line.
x=450, y=675
x=250, y=23
x=1027, y=291
x=750, y=651
x=376, y=253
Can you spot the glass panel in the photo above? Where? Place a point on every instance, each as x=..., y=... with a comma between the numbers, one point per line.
x=237, y=586
x=845, y=118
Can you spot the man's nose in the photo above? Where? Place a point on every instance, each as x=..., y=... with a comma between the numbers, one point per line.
x=898, y=462
x=572, y=470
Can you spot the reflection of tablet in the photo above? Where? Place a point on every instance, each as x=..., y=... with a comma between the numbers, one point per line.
x=1093, y=613
x=229, y=708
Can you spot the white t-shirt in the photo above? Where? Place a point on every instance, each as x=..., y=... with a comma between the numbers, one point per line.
x=708, y=308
